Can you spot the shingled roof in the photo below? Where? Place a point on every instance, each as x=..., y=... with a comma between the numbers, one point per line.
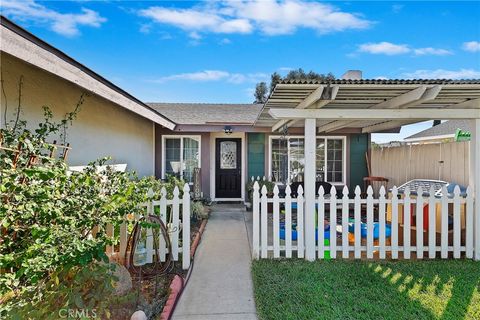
x=444, y=130
x=208, y=113
x=383, y=81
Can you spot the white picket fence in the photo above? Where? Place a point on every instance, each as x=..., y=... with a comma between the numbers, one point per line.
x=175, y=227
x=392, y=211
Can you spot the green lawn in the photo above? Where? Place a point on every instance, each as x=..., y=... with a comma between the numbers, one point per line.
x=297, y=289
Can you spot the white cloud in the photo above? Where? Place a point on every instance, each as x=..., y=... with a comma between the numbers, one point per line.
x=472, y=46
x=384, y=47
x=215, y=75
x=432, y=51
x=66, y=24
x=195, y=35
x=194, y=20
x=443, y=74
x=391, y=49
x=225, y=41
x=270, y=17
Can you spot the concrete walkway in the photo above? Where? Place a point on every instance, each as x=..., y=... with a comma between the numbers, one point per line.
x=220, y=286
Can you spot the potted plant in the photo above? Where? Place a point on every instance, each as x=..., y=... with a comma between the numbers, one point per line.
x=268, y=184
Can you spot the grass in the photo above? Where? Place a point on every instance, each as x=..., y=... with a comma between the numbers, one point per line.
x=297, y=289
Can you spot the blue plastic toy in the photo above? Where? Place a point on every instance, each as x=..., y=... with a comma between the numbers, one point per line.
x=326, y=232
x=376, y=229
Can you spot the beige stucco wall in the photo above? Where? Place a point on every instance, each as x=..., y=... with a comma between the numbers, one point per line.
x=102, y=128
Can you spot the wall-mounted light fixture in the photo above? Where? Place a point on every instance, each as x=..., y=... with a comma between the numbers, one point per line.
x=227, y=130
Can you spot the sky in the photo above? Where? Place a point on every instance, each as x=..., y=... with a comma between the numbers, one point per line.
x=216, y=51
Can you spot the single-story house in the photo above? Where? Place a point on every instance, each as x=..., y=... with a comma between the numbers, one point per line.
x=231, y=143
x=443, y=132
x=307, y=131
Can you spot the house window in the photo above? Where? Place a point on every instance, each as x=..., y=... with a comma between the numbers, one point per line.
x=287, y=159
x=181, y=155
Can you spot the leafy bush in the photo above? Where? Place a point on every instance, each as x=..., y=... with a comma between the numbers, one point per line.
x=47, y=214
x=198, y=210
x=88, y=289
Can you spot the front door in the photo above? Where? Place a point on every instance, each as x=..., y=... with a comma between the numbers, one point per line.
x=228, y=168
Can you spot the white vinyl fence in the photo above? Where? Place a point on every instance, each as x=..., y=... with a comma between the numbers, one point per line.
x=178, y=223
x=415, y=224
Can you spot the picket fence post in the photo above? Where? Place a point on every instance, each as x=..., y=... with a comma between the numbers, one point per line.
x=264, y=222
x=432, y=224
x=321, y=219
x=288, y=222
x=300, y=224
x=419, y=222
x=444, y=232
x=276, y=223
x=175, y=223
x=394, y=239
x=163, y=216
x=186, y=227
x=345, y=251
x=357, y=216
x=381, y=220
x=369, y=222
x=149, y=240
x=110, y=248
x=333, y=223
x=406, y=223
x=256, y=222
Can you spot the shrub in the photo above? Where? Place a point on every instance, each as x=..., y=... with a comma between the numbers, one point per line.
x=198, y=210
x=47, y=214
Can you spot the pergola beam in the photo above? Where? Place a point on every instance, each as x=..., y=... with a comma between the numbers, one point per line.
x=413, y=97
x=327, y=96
x=429, y=94
x=473, y=103
x=307, y=102
x=335, y=125
x=386, y=125
x=375, y=114
x=403, y=99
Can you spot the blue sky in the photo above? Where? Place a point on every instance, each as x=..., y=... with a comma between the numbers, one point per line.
x=215, y=51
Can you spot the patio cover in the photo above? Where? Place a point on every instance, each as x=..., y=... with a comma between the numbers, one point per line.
x=372, y=106
x=345, y=96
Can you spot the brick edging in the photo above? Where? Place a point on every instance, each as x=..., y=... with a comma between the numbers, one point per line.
x=178, y=283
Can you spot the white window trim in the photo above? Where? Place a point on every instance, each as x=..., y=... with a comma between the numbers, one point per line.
x=344, y=155
x=181, y=137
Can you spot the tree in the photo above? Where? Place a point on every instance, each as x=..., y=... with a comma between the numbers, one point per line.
x=275, y=78
x=299, y=74
x=261, y=92
x=296, y=74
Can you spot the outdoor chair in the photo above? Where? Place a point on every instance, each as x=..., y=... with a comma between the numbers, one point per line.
x=327, y=187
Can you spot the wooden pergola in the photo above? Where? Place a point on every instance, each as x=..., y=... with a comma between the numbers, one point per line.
x=370, y=106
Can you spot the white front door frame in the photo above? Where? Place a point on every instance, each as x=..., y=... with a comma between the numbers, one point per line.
x=213, y=137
